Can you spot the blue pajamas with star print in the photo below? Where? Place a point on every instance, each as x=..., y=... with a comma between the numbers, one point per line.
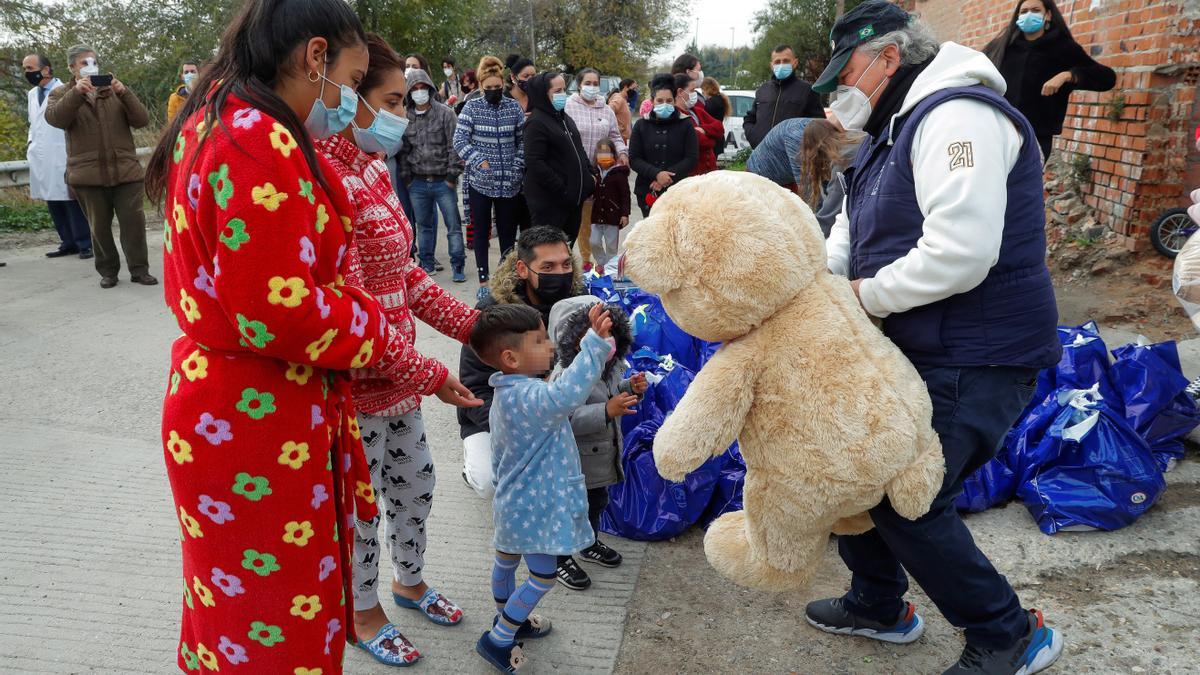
x=541, y=501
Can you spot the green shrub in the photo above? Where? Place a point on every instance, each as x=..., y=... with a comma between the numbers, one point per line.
x=24, y=217
x=13, y=132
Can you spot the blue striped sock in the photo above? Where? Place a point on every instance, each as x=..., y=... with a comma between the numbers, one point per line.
x=504, y=580
x=518, y=608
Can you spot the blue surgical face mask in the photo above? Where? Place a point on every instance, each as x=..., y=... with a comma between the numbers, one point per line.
x=324, y=122
x=559, y=101
x=664, y=110
x=386, y=133
x=1031, y=22
x=782, y=70
x=188, y=78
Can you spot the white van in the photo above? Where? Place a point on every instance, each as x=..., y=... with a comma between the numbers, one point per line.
x=740, y=103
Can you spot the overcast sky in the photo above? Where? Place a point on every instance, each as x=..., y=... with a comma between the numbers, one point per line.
x=716, y=18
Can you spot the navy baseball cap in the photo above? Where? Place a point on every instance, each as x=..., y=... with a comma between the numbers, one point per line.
x=861, y=24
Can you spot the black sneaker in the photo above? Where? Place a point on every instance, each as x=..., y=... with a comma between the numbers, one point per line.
x=600, y=554
x=1033, y=653
x=831, y=616
x=571, y=576
x=439, y=267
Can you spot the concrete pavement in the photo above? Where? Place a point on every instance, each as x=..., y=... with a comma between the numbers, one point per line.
x=88, y=543
x=88, y=540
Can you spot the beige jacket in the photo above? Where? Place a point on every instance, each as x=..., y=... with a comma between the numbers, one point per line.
x=620, y=108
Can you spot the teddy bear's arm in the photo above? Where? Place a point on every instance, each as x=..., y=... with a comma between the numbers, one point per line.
x=709, y=416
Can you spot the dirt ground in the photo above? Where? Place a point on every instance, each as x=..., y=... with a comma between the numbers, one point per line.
x=1125, y=601
x=1135, y=296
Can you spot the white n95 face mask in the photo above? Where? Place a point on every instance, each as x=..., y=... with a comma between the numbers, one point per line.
x=851, y=105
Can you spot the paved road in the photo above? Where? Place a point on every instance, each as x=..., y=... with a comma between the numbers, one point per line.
x=89, y=561
x=89, y=570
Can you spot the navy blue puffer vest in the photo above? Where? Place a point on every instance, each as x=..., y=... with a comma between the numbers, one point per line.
x=1007, y=320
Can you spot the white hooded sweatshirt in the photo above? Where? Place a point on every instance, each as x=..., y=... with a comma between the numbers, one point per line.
x=963, y=202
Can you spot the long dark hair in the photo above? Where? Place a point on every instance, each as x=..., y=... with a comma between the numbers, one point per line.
x=421, y=60
x=382, y=58
x=996, y=49
x=515, y=64
x=254, y=54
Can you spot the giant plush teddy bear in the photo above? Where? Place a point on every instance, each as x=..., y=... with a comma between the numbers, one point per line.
x=829, y=415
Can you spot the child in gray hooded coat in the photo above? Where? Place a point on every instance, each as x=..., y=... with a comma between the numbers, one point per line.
x=597, y=423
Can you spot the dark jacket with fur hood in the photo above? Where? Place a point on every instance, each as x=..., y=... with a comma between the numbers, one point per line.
x=507, y=289
x=597, y=435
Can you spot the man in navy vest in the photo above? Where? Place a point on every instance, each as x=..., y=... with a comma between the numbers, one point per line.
x=942, y=234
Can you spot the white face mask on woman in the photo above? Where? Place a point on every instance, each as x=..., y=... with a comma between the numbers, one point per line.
x=851, y=105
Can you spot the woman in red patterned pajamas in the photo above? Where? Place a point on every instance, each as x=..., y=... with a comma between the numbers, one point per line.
x=389, y=416
x=261, y=444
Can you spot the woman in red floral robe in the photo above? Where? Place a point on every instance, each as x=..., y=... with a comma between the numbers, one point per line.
x=261, y=443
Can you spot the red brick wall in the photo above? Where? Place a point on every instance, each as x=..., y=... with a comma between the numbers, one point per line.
x=1142, y=156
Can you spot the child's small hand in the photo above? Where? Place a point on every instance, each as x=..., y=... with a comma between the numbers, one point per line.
x=621, y=405
x=639, y=384
x=601, y=320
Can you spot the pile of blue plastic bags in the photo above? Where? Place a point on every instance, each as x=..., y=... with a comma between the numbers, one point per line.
x=1090, y=451
x=646, y=506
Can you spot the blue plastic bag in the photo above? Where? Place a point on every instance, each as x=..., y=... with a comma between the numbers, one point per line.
x=1084, y=364
x=1098, y=472
x=996, y=482
x=993, y=484
x=727, y=496
x=646, y=506
x=603, y=288
x=654, y=329
x=1152, y=387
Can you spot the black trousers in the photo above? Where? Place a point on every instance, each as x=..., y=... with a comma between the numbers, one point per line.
x=1046, y=143
x=71, y=224
x=597, y=502
x=973, y=409
x=565, y=217
x=480, y=210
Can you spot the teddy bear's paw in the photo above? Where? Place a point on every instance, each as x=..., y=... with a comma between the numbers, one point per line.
x=671, y=458
x=727, y=547
x=913, y=490
x=853, y=525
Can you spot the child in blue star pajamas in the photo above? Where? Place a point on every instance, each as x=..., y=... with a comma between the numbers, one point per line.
x=540, y=508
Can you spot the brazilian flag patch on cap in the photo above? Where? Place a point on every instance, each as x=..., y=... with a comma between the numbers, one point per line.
x=866, y=31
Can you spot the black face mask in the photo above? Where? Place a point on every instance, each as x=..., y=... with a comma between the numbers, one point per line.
x=554, y=287
x=493, y=96
x=34, y=78
x=523, y=85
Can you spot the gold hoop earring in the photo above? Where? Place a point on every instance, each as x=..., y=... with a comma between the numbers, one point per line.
x=313, y=77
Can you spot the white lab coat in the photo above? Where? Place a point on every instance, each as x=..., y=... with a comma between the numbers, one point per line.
x=46, y=152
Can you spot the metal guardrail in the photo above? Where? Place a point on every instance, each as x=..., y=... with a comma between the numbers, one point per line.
x=16, y=174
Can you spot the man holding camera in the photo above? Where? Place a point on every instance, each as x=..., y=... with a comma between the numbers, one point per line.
x=98, y=113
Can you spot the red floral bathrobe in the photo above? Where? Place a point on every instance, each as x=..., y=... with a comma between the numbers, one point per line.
x=261, y=444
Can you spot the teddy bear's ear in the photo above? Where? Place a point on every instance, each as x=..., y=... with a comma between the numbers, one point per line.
x=652, y=255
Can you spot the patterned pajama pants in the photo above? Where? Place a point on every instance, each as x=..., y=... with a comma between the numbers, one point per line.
x=402, y=473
